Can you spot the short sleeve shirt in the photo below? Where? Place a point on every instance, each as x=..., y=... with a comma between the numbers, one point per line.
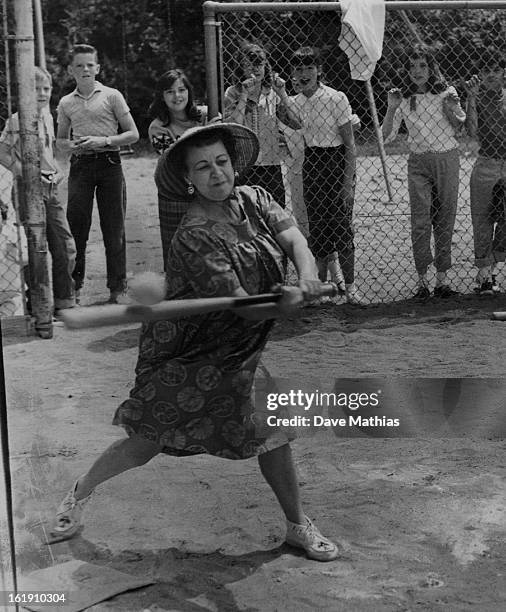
x=162, y=135
x=95, y=115
x=322, y=115
x=10, y=135
x=427, y=125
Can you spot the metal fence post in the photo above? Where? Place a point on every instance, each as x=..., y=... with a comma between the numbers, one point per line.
x=211, y=58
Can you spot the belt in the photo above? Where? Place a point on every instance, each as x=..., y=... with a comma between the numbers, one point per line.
x=95, y=154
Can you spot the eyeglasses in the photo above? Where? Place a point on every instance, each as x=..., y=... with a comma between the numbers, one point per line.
x=255, y=59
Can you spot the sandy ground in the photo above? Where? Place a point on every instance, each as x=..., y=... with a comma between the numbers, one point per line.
x=423, y=518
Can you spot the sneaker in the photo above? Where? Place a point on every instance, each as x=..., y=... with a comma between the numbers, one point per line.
x=496, y=288
x=308, y=537
x=444, y=291
x=354, y=297
x=422, y=294
x=341, y=287
x=68, y=515
x=113, y=297
x=486, y=288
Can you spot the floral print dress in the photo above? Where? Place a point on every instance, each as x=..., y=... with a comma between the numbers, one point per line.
x=193, y=391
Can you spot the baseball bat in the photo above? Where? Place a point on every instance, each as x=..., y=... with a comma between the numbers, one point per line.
x=117, y=314
x=499, y=315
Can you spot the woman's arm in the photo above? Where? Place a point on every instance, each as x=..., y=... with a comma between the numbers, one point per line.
x=235, y=105
x=472, y=88
x=452, y=109
x=394, y=101
x=284, y=109
x=295, y=246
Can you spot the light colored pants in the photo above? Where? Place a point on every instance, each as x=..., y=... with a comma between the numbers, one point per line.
x=489, y=228
x=433, y=184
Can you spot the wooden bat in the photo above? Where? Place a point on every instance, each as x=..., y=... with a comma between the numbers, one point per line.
x=117, y=314
x=499, y=315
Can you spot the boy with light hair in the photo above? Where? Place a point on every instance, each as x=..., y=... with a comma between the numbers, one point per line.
x=89, y=119
x=59, y=238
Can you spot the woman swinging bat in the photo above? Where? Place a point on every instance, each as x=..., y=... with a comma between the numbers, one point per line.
x=194, y=376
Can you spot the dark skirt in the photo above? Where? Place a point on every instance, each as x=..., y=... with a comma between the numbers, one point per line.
x=330, y=218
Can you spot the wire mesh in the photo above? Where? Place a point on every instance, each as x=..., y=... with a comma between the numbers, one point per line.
x=387, y=246
x=13, y=249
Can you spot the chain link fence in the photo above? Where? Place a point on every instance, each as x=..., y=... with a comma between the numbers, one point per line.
x=385, y=244
x=13, y=248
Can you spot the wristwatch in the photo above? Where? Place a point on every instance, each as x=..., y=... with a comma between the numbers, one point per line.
x=108, y=142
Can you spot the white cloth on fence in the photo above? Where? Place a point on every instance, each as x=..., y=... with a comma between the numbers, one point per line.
x=361, y=38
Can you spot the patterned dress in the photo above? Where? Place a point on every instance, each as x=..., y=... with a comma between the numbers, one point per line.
x=194, y=376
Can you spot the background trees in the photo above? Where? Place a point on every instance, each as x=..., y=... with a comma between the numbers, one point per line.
x=140, y=39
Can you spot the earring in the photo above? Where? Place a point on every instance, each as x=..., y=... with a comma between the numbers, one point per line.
x=236, y=175
x=190, y=189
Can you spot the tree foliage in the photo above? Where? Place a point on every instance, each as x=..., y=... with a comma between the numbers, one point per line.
x=139, y=39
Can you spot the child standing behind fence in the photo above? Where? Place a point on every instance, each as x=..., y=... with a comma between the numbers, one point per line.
x=431, y=112
x=258, y=100
x=88, y=122
x=486, y=119
x=328, y=170
x=59, y=238
x=173, y=111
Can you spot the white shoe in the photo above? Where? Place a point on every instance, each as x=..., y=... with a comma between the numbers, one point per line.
x=308, y=537
x=353, y=296
x=68, y=515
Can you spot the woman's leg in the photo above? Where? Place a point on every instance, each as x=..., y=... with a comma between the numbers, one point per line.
x=121, y=456
x=278, y=469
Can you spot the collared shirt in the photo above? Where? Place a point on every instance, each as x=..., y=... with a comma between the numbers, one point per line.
x=260, y=117
x=491, y=109
x=95, y=115
x=427, y=125
x=162, y=135
x=45, y=125
x=322, y=115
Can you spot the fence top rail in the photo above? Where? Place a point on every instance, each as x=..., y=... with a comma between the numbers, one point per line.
x=210, y=7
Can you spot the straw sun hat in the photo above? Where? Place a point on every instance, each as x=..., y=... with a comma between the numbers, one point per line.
x=170, y=171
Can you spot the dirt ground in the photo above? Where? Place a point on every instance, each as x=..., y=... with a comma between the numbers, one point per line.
x=423, y=518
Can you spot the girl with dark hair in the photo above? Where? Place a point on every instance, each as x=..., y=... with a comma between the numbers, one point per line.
x=258, y=100
x=173, y=111
x=431, y=112
x=328, y=170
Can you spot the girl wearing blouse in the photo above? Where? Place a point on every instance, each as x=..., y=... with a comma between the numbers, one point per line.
x=431, y=112
x=173, y=111
x=258, y=100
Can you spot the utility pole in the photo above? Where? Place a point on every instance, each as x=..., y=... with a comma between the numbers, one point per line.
x=31, y=189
